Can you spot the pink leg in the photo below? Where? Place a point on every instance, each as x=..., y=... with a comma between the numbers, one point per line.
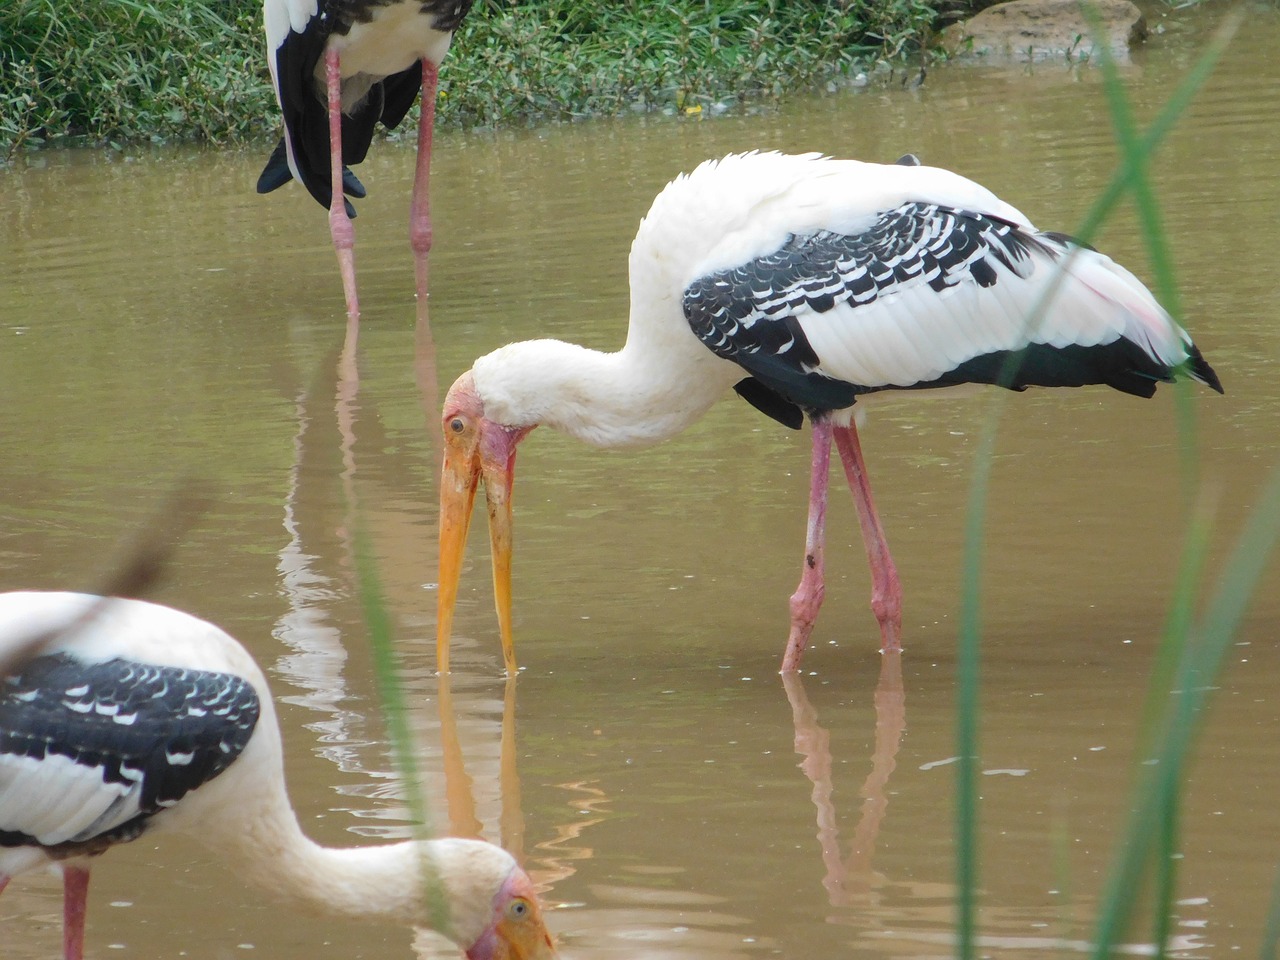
x=75, y=891
x=808, y=596
x=4, y=882
x=340, y=226
x=420, y=208
x=886, y=589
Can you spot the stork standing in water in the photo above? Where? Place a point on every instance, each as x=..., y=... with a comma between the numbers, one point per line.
x=805, y=282
x=136, y=716
x=339, y=67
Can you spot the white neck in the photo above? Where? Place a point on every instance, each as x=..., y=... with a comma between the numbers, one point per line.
x=253, y=823
x=638, y=396
x=374, y=882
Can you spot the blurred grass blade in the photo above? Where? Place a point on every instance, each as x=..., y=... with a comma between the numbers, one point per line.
x=144, y=560
x=1152, y=840
x=1157, y=825
x=1132, y=176
x=968, y=664
x=1134, y=151
x=1195, y=675
x=1271, y=935
x=391, y=694
x=1165, y=120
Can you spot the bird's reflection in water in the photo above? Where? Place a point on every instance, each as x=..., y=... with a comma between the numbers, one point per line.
x=459, y=787
x=427, y=377
x=554, y=857
x=851, y=879
x=316, y=567
x=318, y=655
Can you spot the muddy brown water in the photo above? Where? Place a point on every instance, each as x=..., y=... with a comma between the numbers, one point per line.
x=672, y=796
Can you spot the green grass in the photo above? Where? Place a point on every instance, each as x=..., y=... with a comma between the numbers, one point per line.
x=128, y=70
x=1192, y=651
x=569, y=58
x=113, y=71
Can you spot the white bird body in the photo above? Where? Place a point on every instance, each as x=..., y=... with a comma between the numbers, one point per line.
x=807, y=283
x=394, y=38
x=339, y=68
x=741, y=208
x=70, y=786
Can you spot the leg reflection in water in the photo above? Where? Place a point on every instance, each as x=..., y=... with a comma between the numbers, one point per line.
x=851, y=879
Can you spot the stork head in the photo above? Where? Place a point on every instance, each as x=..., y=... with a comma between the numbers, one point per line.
x=493, y=910
x=475, y=448
x=516, y=930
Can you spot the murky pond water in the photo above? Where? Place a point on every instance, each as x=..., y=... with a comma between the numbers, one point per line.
x=675, y=799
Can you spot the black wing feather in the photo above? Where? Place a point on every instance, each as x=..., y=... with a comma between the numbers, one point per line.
x=305, y=111
x=749, y=313
x=168, y=729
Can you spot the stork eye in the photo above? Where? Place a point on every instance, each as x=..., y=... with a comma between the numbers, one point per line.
x=457, y=425
x=518, y=908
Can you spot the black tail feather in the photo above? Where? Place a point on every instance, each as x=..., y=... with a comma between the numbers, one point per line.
x=1198, y=367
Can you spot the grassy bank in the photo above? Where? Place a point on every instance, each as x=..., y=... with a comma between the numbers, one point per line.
x=131, y=70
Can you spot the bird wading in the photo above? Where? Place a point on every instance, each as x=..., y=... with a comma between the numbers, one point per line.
x=805, y=283
x=339, y=68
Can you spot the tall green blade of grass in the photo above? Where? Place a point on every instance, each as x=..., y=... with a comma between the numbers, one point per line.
x=1271, y=935
x=1134, y=177
x=1194, y=678
x=1130, y=176
x=396, y=711
x=1155, y=841
x=967, y=708
x=1160, y=832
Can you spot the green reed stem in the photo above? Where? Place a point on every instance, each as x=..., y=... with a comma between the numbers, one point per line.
x=1271, y=933
x=1153, y=839
x=1194, y=677
x=386, y=670
x=1131, y=175
x=968, y=668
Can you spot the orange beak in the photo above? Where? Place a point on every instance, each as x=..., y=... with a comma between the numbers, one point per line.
x=475, y=449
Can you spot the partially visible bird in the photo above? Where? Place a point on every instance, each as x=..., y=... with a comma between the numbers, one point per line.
x=139, y=717
x=340, y=67
x=805, y=283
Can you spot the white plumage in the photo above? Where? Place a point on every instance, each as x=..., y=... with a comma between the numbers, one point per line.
x=137, y=717
x=806, y=282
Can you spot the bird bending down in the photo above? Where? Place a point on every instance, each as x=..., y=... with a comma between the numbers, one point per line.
x=339, y=67
x=805, y=282
x=139, y=717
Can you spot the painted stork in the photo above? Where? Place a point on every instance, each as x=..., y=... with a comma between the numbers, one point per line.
x=137, y=716
x=339, y=67
x=804, y=283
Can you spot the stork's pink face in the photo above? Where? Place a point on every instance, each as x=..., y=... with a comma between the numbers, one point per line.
x=517, y=931
x=475, y=448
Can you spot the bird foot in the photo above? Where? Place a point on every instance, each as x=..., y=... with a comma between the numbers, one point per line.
x=797, y=640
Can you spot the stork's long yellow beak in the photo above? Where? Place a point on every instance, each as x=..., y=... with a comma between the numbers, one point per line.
x=475, y=450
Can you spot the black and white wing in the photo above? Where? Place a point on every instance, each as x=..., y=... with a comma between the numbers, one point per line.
x=89, y=751
x=298, y=32
x=930, y=295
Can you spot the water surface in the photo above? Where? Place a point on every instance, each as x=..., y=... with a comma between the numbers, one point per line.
x=163, y=322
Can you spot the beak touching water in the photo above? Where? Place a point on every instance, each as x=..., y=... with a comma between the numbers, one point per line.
x=475, y=449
